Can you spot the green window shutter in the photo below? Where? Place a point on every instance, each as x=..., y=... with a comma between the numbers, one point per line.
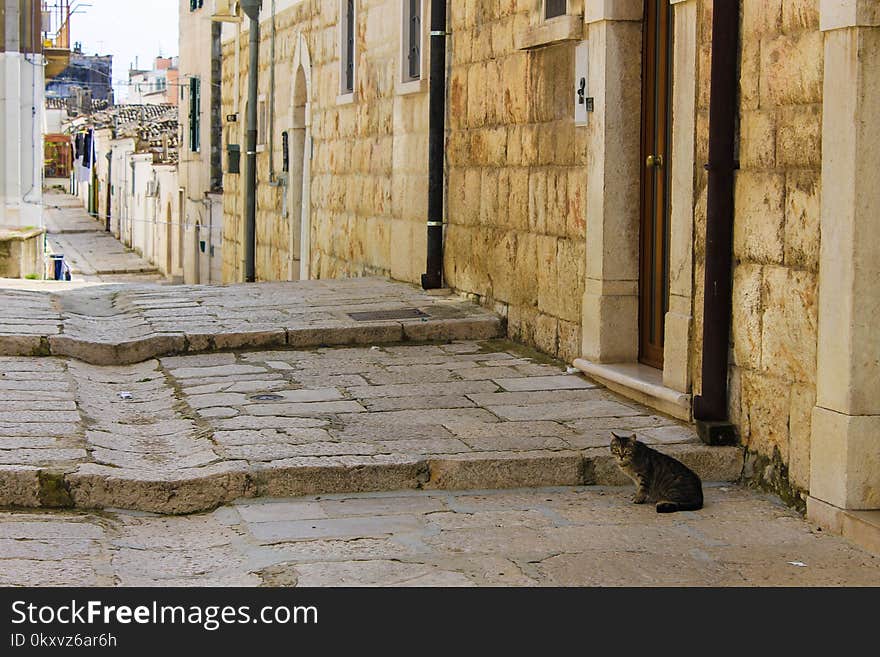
x=195, y=114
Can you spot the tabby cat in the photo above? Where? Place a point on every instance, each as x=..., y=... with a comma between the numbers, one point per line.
x=659, y=478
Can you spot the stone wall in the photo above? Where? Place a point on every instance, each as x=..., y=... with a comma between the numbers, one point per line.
x=516, y=163
x=517, y=175
x=22, y=252
x=776, y=229
x=369, y=165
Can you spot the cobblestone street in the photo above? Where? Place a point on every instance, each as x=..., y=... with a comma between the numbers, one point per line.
x=555, y=536
x=183, y=434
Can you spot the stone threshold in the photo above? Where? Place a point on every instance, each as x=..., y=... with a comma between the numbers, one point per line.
x=860, y=527
x=94, y=486
x=640, y=383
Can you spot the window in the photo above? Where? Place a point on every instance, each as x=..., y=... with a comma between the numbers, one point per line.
x=195, y=114
x=412, y=40
x=346, y=34
x=554, y=8
x=196, y=4
x=262, y=120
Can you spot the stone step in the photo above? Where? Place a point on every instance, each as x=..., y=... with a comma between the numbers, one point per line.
x=122, y=326
x=92, y=486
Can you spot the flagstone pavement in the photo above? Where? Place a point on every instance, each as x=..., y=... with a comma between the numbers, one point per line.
x=554, y=536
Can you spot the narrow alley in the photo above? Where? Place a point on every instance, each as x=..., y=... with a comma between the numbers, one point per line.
x=440, y=294
x=93, y=254
x=408, y=427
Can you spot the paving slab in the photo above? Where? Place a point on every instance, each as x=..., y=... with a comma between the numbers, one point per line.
x=182, y=434
x=574, y=536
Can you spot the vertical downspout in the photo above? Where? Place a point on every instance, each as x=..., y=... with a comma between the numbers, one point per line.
x=252, y=9
x=710, y=408
x=433, y=276
x=109, y=157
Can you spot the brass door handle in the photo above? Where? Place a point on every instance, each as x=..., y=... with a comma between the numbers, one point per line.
x=654, y=161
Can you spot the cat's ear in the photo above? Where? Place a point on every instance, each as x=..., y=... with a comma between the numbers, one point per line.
x=626, y=437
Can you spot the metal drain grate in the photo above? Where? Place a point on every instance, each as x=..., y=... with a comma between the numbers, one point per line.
x=267, y=397
x=379, y=315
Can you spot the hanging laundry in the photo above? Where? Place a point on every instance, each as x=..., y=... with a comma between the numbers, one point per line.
x=87, y=149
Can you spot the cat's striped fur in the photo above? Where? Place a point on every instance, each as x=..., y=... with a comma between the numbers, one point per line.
x=659, y=478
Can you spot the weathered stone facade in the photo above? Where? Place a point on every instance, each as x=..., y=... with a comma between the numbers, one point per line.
x=368, y=168
x=517, y=175
x=776, y=226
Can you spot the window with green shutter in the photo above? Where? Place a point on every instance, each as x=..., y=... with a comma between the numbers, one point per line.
x=195, y=114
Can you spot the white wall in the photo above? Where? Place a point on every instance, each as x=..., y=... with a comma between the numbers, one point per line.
x=22, y=91
x=201, y=215
x=142, y=169
x=53, y=121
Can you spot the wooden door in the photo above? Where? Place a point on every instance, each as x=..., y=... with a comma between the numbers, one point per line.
x=655, y=148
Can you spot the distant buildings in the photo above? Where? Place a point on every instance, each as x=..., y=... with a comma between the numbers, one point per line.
x=201, y=171
x=128, y=176
x=85, y=72
x=154, y=87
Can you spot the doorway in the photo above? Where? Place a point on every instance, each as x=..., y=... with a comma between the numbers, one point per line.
x=295, y=159
x=169, y=240
x=655, y=182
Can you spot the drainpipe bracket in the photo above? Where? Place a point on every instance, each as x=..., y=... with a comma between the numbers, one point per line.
x=717, y=434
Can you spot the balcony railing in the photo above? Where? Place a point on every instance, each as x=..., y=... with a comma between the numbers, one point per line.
x=56, y=36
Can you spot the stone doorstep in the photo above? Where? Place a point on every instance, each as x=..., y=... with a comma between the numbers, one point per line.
x=96, y=487
x=640, y=383
x=172, y=344
x=860, y=527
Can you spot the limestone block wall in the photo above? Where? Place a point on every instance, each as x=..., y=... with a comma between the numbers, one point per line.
x=776, y=229
x=516, y=163
x=368, y=178
x=517, y=175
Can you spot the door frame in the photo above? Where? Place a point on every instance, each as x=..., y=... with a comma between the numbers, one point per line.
x=657, y=34
x=610, y=308
x=301, y=120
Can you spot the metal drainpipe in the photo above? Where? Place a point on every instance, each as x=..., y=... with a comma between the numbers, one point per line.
x=252, y=9
x=109, y=189
x=433, y=277
x=710, y=408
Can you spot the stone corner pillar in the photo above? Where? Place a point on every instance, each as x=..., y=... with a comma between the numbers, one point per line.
x=845, y=442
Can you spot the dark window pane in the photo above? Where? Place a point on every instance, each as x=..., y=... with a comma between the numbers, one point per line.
x=554, y=8
x=415, y=38
x=195, y=114
x=348, y=87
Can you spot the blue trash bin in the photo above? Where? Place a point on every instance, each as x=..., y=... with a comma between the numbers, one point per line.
x=57, y=267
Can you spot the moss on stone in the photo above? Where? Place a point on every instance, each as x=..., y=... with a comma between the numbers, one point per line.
x=771, y=474
x=54, y=490
x=43, y=350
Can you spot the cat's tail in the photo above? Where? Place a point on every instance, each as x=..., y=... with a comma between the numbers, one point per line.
x=665, y=506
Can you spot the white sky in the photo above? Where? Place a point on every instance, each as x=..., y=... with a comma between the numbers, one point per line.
x=127, y=29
